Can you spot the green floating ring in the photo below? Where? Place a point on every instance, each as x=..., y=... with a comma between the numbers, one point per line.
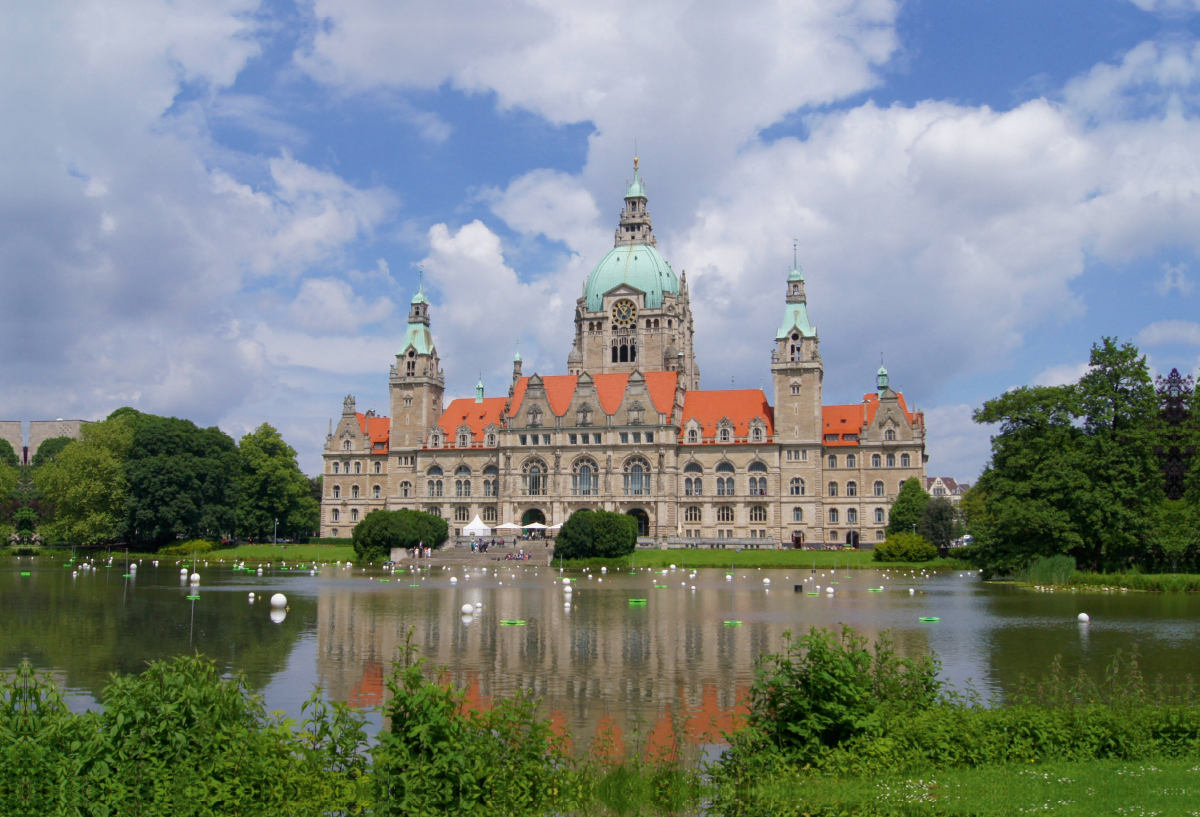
x=661, y=586
x=930, y=618
x=833, y=582
x=814, y=594
x=193, y=598
x=414, y=585
x=24, y=572
x=733, y=623
x=513, y=622
x=874, y=589
x=637, y=601
x=126, y=575
x=382, y=581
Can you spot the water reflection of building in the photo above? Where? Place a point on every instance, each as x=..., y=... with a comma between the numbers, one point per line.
x=602, y=662
x=628, y=428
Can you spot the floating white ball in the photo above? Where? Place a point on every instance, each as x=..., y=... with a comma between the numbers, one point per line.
x=251, y=598
x=1083, y=618
x=453, y=580
x=183, y=571
x=467, y=609
x=829, y=590
x=279, y=600
x=195, y=578
x=766, y=581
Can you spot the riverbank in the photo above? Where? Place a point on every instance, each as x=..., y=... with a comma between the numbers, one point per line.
x=1118, y=582
x=782, y=559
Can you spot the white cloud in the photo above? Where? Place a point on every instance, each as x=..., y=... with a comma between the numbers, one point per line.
x=555, y=205
x=1164, y=333
x=1063, y=374
x=1174, y=279
x=330, y=305
x=958, y=446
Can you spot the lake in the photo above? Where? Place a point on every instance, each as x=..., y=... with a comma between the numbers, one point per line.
x=600, y=662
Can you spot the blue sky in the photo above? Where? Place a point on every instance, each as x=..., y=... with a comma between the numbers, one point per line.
x=218, y=209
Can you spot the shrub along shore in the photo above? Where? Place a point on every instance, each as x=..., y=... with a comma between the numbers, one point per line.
x=1059, y=573
x=766, y=558
x=834, y=727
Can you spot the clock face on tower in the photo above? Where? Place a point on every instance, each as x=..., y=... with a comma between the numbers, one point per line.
x=624, y=312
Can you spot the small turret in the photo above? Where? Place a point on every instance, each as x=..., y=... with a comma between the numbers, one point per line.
x=517, y=364
x=881, y=380
x=479, y=389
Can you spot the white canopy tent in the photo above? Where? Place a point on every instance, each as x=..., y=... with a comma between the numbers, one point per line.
x=534, y=526
x=508, y=526
x=555, y=527
x=476, y=528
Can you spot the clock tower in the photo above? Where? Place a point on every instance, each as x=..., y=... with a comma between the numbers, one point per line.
x=634, y=313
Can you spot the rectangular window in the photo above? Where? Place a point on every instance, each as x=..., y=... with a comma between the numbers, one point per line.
x=850, y=437
x=545, y=439
x=831, y=438
x=649, y=436
x=804, y=455
x=523, y=439
x=596, y=438
x=624, y=437
x=637, y=436
x=571, y=438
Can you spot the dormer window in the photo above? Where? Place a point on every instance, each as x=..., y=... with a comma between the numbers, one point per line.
x=691, y=435
x=462, y=440
x=345, y=445
x=725, y=436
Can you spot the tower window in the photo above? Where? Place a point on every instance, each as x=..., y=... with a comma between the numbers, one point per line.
x=833, y=489
x=337, y=491
x=878, y=488
x=378, y=467
x=795, y=388
x=905, y=461
x=335, y=467
x=796, y=487
x=376, y=492
x=890, y=434
x=876, y=461
x=797, y=514
x=354, y=492
x=891, y=460
x=851, y=489
x=832, y=461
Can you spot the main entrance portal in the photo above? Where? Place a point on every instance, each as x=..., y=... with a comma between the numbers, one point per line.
x=643, y=520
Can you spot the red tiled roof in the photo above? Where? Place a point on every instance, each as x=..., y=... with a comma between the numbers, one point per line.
x=610, y=390
x=850, y=419
x=476, y=415
x=740, y=406
x=377, y=429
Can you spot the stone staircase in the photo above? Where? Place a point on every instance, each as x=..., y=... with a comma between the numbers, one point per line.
x=450, y=555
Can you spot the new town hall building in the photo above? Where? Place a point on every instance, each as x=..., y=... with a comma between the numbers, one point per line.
x=629, y=429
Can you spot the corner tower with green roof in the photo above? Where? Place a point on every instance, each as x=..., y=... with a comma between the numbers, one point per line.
x=796, y=368
x=634, y=313
x=416, y=381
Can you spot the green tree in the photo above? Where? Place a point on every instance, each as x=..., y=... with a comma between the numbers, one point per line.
x=938, y=522
x=380, y=531
x=591, y=534
x=48, y=450
x=8, y=456
x=272, y=487
x=86, y=485
x=909, y=506
x=182, y=480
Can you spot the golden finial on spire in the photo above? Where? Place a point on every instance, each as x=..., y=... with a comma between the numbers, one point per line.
x=635, y=163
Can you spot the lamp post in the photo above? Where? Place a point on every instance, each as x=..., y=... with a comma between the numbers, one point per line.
x=275, y=536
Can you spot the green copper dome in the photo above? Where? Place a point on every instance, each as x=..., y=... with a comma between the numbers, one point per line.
x=638, y=265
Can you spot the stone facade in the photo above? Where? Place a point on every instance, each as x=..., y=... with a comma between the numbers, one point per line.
x=42, y=430
x=628, y=429
x=10, y=430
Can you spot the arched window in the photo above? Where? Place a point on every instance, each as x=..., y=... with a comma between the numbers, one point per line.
x=435, y=471
x=637, y=477
x=833, y=516
x=879, y=536
x=797, y=514
x=410, y=367
x=851, y=461
x=354, y=514
x=462, y=487
x=693, y=485
x=757, y=435
x=614, y=353
x=358, y=467
x=533, y=477
x=377, y=491
x=891, y=460
x=852, y=516
x=585, y=477
x=724, y=513
x=491, y=482
x=758, y=485
x=889, y=434
x=337, y=491
x=725, y=435
x=489, y=513
x=378, y=467
x=832, y=461
x=336, y=467
x=345, y=445
x=758, y=513
x=435, y=441
x=491, y=440
x=852, y=489
x=905, y=461
x=724, y=484
x=796, y=487
x=879, y=516
x=345, y=467
x=354, y=492
x=691, y=435
x=691, y=513
x=405, y=489
x=335, y=515
x=462, y=471
x=876, y=461
x=878, y=488
x=833, y=489
x=795, y=389
x=434, y=487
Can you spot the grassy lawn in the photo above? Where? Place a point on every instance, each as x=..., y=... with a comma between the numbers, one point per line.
x=273, y=553
x=1067, y=789
x=758, y=558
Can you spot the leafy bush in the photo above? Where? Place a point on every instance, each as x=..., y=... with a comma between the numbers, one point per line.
x=191, y=547
x=596, y=534
x=441, y=758
x=905, y=547
x=380, y=531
